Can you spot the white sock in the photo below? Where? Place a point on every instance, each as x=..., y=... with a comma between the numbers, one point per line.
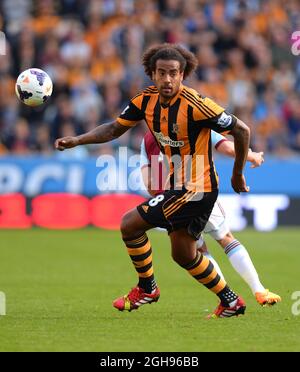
x=214, y=262
x=241, y=262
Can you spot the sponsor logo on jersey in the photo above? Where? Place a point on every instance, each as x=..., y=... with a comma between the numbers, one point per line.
x=167, y=141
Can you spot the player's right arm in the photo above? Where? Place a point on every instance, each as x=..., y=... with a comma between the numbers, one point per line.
x=102, y=133
x=107, y=132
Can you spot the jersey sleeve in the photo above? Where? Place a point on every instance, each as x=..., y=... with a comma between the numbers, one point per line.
x=132, y=113
x=211, y=115
x=144, y=161
x=217, y=139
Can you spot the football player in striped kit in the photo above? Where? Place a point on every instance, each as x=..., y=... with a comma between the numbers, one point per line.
x=216, y=226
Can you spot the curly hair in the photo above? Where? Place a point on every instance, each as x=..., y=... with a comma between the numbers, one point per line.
x=188, y=61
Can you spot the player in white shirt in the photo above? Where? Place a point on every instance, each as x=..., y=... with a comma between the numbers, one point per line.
x=217, y=226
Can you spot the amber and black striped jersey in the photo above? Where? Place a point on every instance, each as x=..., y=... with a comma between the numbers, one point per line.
x=182, y=128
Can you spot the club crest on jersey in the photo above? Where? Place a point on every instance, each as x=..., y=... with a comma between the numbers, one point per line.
x=175, y=128
x=167, y=141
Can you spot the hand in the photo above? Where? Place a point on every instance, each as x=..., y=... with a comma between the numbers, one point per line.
x=238, y=183
x=66, y=143
x=257, y=158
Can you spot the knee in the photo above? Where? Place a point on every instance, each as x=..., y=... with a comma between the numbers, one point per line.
x=202, y=248
x=183, y=259
x=227, y=239
x=126, y=226
x=184, y=247
x=177, y=258
x=130, y=226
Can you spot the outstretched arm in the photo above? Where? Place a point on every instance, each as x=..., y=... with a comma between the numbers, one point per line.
x=226, y=147
x=241, y=135
x=102, y=133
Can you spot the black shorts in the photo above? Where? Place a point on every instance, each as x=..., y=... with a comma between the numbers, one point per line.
x=177, y=209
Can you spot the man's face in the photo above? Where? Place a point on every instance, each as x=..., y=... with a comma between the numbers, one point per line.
x=167, y=78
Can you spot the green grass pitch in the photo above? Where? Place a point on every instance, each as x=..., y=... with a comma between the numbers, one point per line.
x=59, y=288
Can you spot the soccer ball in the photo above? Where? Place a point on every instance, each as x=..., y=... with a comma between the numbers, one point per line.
x=33, y=87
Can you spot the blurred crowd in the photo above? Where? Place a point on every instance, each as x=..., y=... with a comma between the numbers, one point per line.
x=92, y=51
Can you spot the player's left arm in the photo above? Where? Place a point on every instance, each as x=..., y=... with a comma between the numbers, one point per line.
x=226, y=147
x=213, y=116
x=241, y=135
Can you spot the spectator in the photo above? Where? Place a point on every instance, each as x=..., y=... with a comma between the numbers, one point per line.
x=92, y=51
x=19, y=142
x=42, y=140
x=291, y=112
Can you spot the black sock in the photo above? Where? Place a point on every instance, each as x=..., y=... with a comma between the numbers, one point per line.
x=227, y=296
x=148, y=284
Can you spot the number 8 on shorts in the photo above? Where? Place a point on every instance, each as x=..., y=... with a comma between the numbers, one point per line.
x=153, y=202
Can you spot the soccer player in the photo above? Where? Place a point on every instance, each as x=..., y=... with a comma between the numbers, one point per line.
x=181, y=120
x=217, y=227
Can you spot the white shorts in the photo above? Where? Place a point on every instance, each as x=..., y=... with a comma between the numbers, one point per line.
x=216, y=226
